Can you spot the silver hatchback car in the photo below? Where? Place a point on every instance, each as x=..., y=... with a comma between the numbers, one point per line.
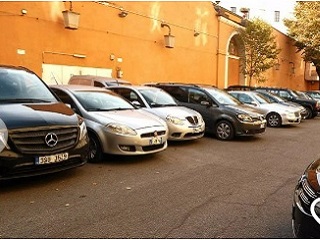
x=276, y=114
x=114, y=125
x=183, y=123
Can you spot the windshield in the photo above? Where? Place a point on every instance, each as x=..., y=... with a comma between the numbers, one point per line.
x=157, y=98
x=223, y=97
x=261, y=99
x=20, y=86
x=101, y=101
x=272, y=97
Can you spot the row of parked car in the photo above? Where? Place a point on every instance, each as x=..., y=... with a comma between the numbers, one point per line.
x=45, y=129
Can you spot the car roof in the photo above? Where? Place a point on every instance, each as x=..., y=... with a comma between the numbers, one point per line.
x=100, y=78
x=79, y=88
x=136, y=87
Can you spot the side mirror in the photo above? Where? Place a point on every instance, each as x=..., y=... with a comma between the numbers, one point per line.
x=136, y=103
x=205, y=103
x=253, y=103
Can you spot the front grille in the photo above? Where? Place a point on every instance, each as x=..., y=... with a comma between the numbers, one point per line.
x=188, y=135
x=306, y=194
x=152, y=134
x=32, y=140
x=193, y=120
x=152, y=147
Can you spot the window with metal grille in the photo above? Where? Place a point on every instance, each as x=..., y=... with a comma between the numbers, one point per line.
x=277, y=16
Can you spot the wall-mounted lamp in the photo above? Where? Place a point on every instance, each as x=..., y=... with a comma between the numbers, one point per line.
x=196, y=33
x=292, y=67
x=277, y=64
x=168, y=39
x=71, y=19
x=123, y=14
x=23, y=12
x=78, y=55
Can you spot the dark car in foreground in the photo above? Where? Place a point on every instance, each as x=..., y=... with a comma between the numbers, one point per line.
x=224, y=115
x=39, y=134
x=306, y=191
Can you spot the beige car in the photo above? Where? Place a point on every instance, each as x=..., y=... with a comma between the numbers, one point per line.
x=114, y=125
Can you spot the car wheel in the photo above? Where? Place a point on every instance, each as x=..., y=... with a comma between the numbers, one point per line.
x=274, y=120
x=309, y=113
x=95, y=151
x=224, y=130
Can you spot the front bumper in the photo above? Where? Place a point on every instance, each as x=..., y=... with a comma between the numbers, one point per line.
x=16, y=165
x=145, y=142
x=287, y=120
x=250, y=129
x=185, y=132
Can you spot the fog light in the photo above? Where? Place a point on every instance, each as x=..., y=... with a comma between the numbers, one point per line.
x=127, y=148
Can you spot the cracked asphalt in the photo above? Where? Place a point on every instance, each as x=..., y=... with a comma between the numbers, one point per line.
x=199, y=189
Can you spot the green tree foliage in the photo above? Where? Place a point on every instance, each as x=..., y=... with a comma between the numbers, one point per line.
x=260, y=49
x=305, y=30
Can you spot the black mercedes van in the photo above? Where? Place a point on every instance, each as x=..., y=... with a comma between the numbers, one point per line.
x=38, y=133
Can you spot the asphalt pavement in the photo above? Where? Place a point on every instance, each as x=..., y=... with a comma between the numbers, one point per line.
x=197, y=189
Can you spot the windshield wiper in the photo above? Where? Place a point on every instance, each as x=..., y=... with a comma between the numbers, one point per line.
x=107, y=109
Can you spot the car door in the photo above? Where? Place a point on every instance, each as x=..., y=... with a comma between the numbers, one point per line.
x=201, y=102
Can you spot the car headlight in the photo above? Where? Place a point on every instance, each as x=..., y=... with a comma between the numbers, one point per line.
x=313, y=174
x=120, y=129
x=175, y=120
x=3, y=136
x=83, y=128
x=243, y=117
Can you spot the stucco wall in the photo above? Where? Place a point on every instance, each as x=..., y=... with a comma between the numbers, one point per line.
x=138, y=40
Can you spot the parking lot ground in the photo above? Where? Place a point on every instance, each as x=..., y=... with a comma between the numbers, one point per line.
x=200, y=189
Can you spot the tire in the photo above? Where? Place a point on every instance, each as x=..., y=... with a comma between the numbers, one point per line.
x=95, y=150
x=309, y=113
x=274, y=120
x=224, y=130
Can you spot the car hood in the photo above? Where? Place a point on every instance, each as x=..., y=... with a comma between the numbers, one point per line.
x=176, y=111
x=253, y=111
x=278, y=107
x=35, y=115
x=134, y=118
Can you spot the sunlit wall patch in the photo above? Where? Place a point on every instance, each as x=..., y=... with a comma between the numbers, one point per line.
x=3, y=136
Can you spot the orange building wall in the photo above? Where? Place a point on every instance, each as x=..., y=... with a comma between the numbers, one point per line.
x=137, y=39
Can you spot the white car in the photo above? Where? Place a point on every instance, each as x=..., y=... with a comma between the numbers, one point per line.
x=183, y=123
x=114, y=125
x=276, y=114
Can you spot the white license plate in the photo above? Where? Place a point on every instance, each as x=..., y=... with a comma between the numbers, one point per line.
x=155, y=140
x=52, y=158
x=262, y=125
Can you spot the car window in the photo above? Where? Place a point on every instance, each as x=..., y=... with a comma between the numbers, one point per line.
x=222, y=97
x=245, y=98
x=129, y=94
x=284, y=94
x=101, y=101
x=98, y=84
x=156, y=97
x=22, y=86
x=179, y=93
x=261, y=98
x=196, y=96
x=65, y=98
